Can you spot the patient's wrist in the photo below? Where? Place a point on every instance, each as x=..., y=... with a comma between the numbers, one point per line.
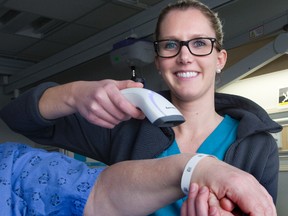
x=189, y=170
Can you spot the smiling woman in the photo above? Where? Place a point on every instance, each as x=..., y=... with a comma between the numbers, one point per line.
x=93, y=118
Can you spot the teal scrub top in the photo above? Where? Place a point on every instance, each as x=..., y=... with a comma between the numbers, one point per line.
x=215, y=144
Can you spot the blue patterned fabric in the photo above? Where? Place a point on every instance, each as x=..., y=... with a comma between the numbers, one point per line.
x=37, y=182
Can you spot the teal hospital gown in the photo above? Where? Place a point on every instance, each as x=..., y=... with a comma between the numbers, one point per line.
x=37, y=182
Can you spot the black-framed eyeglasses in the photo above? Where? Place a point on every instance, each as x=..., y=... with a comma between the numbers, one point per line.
x=201, y=46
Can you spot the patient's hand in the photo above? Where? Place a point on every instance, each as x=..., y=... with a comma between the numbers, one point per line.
x=230, y=183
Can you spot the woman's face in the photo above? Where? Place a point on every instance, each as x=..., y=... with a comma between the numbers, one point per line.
x=189, y=77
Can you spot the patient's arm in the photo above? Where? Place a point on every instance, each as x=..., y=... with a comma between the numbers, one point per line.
x=141, y=187
x=137, y=187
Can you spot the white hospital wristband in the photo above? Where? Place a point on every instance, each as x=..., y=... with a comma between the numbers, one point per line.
x=188, y=171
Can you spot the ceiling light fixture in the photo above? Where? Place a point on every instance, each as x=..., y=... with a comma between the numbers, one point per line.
x=135, y=4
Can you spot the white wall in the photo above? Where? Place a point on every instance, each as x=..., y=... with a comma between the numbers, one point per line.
x=263, y=89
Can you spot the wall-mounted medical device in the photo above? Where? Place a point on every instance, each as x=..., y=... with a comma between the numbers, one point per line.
x=132, y=52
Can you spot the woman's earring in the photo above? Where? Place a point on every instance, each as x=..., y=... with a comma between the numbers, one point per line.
x=218, y=70
x=159, y=72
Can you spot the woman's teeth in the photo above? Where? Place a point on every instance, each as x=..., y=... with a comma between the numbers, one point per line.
x=186, y=74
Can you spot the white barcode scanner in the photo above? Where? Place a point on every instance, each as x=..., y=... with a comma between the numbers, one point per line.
x=156, y=108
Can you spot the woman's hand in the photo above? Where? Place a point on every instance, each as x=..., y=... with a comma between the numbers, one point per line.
x=100, y=102
x=201, y=202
